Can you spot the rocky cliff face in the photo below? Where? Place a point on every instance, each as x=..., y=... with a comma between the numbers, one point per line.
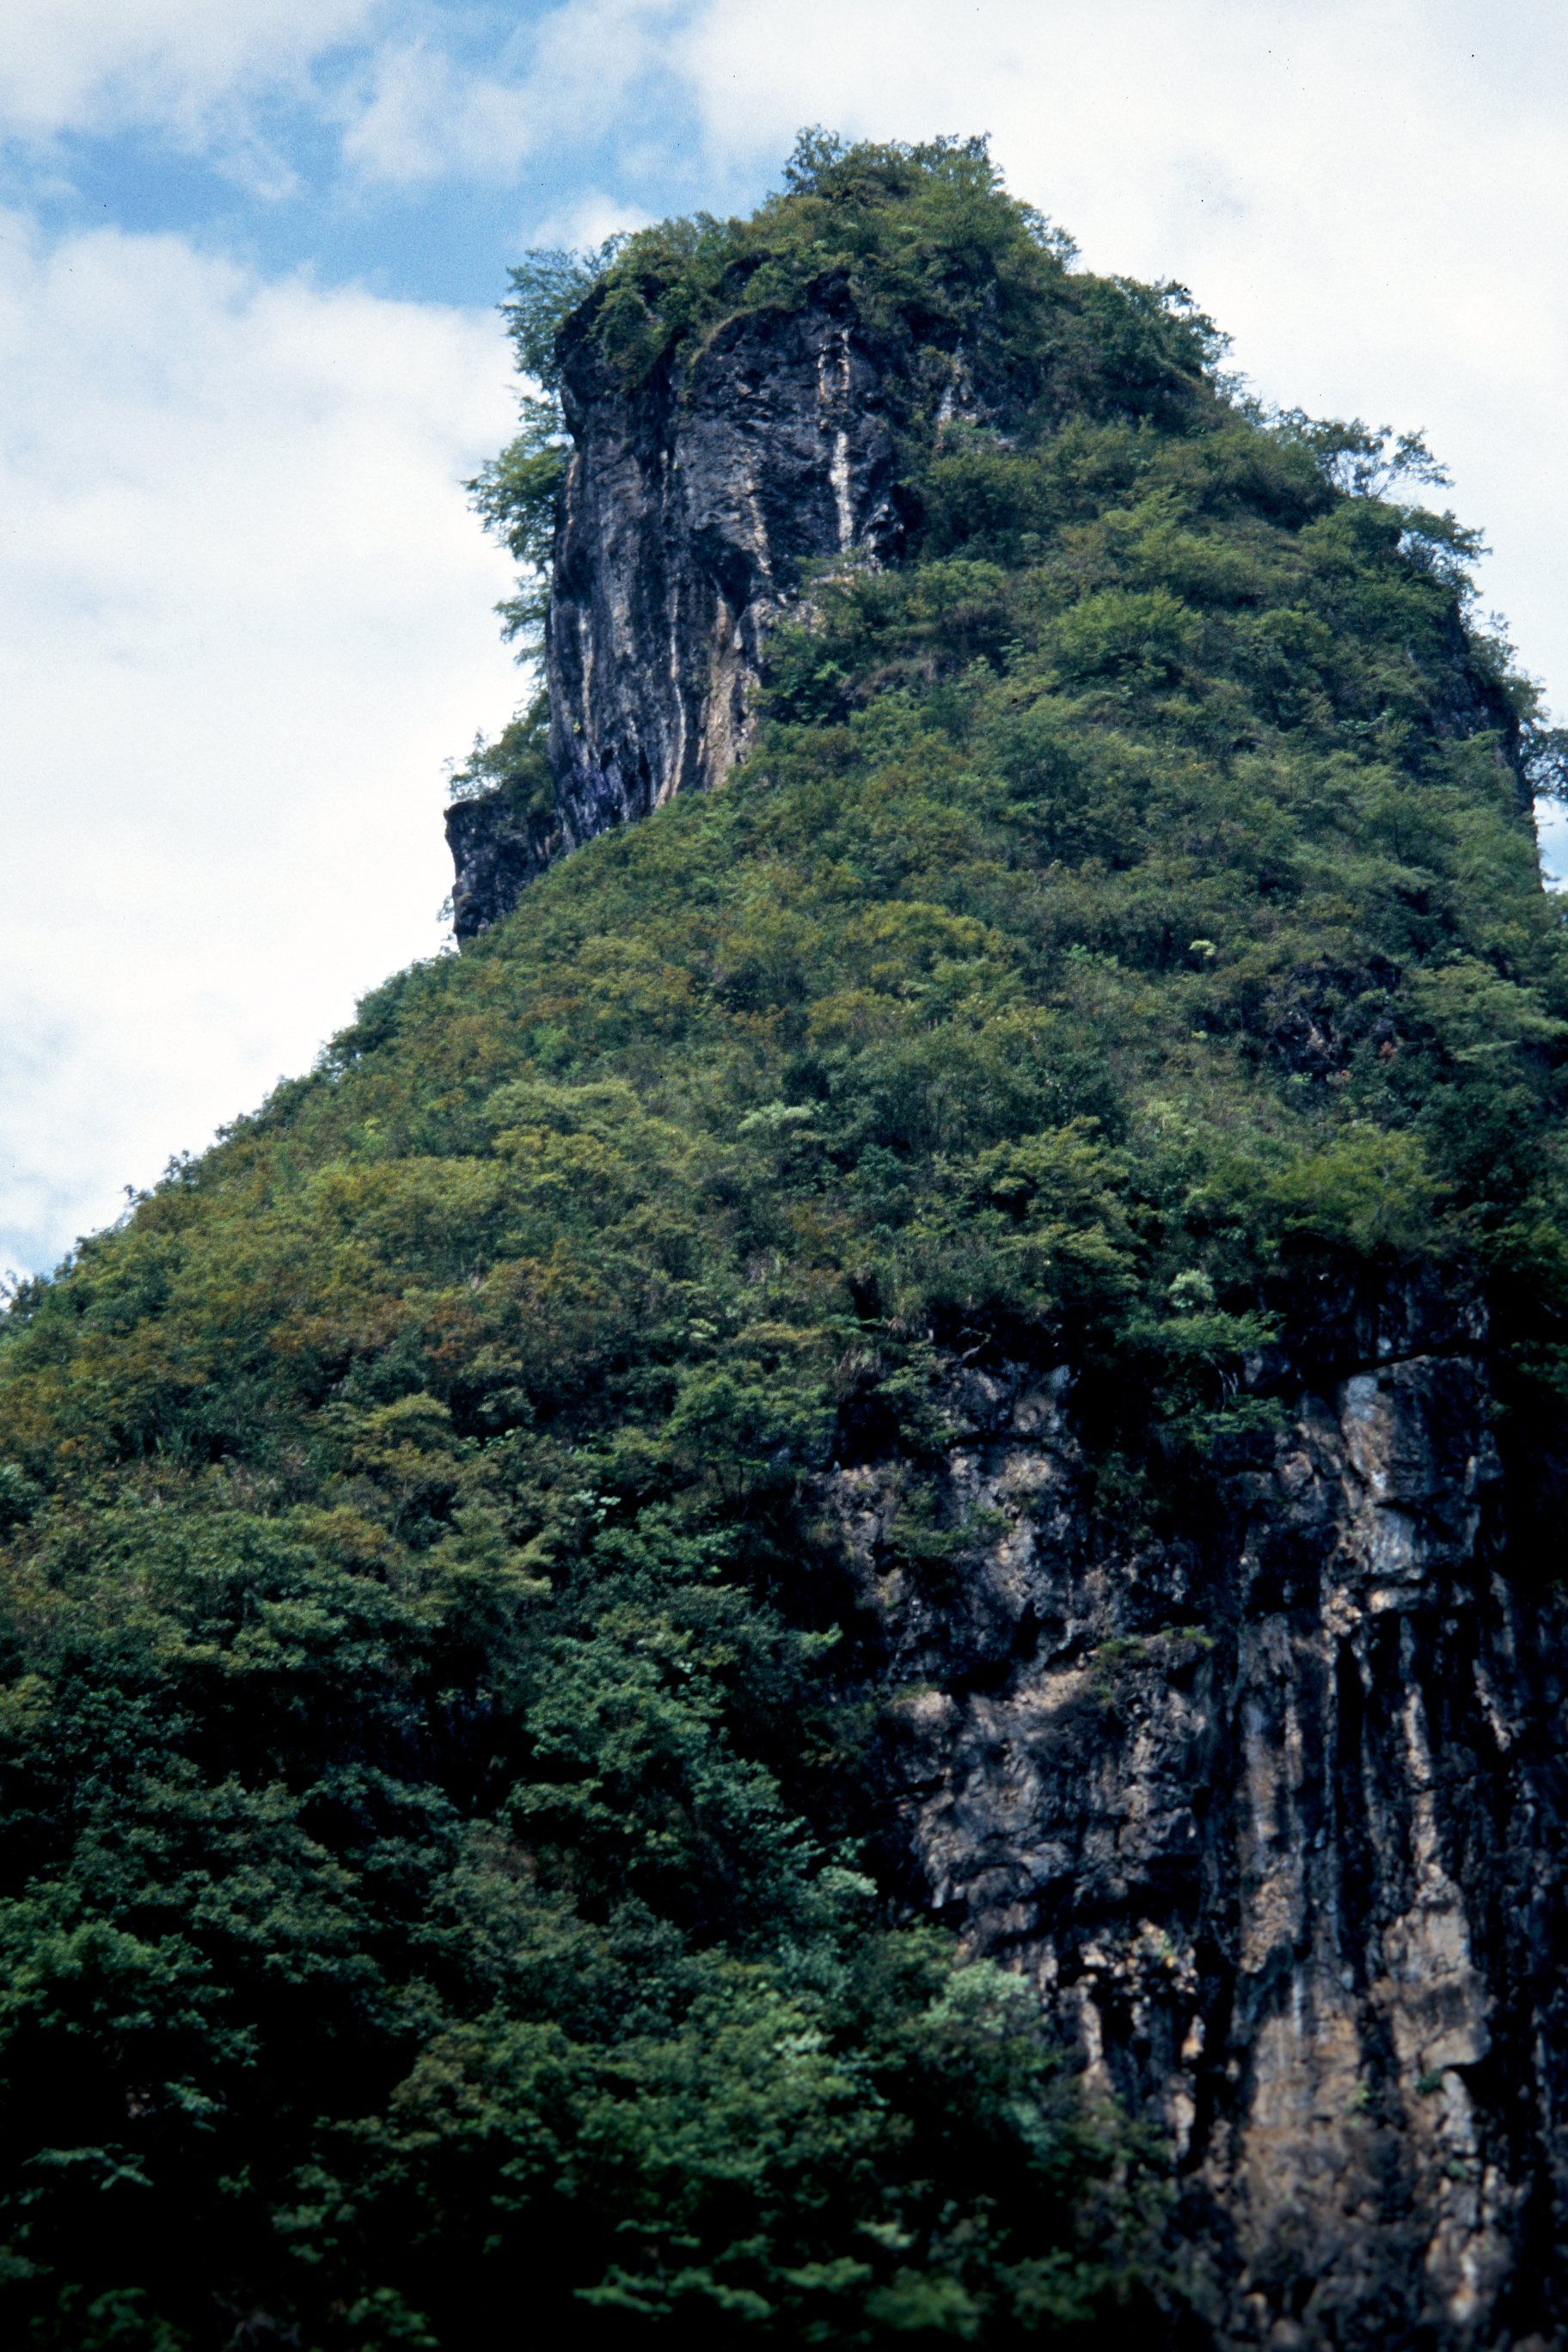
x=688, y=510
x=1271, y=1815
x=497, y=850
x=689, y=505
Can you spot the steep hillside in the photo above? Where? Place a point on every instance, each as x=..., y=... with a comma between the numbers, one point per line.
x=822, y=1603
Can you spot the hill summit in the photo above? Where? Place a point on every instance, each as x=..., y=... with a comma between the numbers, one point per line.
x=822, y=1602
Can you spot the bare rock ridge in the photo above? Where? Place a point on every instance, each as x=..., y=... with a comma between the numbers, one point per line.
x=689, y=509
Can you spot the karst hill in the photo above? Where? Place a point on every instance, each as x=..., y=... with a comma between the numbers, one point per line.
x=823, y=1603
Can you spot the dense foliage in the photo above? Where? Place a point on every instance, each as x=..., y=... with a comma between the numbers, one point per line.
x=443, y=1889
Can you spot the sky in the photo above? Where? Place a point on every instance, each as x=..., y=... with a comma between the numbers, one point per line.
x=249, y=259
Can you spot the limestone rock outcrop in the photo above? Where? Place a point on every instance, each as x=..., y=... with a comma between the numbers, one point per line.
x=688, y=510
x=497, y=850
x=691, y=504
x=1271, y=1814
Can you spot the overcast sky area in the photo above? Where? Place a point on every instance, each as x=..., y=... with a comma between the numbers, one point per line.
x=249, y=257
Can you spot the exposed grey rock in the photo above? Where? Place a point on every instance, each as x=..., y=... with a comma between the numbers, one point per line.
x=497, y=850
x=691, y=504
x=1271, y=1816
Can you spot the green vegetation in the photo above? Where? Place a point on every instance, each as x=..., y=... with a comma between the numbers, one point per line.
x=443, y=1895
x=930, y=251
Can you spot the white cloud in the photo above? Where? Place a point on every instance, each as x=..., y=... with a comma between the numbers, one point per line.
x=415, y=92
x=246, y=616
x=418, y=114
x=583, y=227
x=421, y=111
x=1372, y=200
x=75, y=65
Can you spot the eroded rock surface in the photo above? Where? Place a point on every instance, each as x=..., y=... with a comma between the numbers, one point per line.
x=497, y=850
x=689, y=505
x=1271, y=1818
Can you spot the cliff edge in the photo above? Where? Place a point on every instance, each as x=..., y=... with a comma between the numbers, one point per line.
x=689, y=507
